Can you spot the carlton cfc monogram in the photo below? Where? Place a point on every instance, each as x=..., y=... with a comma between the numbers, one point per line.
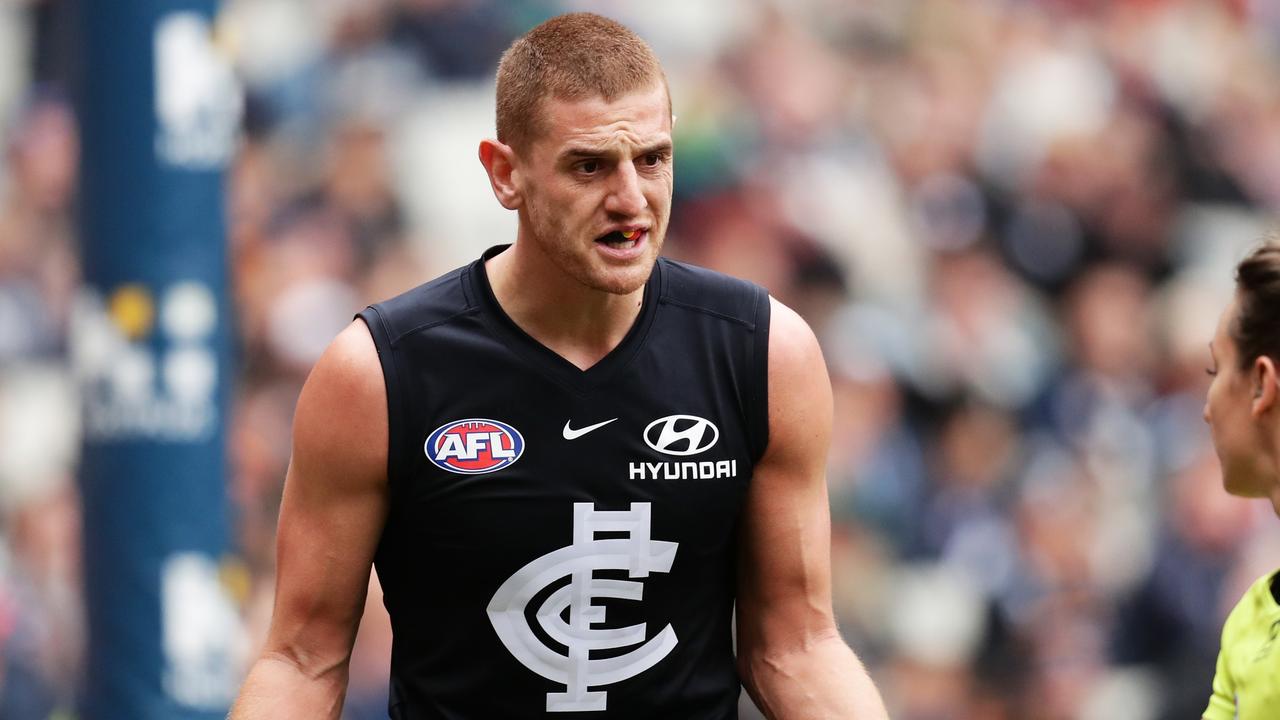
x=638, y=555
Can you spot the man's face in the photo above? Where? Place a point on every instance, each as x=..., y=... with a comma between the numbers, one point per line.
x=1238, y=436
x=596, y=186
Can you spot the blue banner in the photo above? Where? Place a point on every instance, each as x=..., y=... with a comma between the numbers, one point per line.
x=151, y=340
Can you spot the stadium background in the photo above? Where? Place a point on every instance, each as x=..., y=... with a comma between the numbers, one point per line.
x=1011, y=223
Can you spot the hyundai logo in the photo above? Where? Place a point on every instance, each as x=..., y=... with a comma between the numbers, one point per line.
x=681, y=434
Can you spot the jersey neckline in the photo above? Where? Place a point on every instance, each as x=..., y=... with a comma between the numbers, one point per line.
x=548, y=361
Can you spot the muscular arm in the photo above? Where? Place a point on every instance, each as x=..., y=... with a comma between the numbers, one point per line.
x=334, y=506
x=791, y=657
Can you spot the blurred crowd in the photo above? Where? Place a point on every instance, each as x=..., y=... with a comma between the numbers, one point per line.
x=1011, y=222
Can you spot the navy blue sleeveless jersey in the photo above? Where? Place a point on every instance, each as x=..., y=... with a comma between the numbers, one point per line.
x=562, y=542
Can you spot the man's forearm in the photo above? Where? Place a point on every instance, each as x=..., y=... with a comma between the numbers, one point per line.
x=823, y=679
x=278, y=689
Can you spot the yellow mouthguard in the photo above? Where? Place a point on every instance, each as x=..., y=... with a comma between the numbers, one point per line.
x=630, y=234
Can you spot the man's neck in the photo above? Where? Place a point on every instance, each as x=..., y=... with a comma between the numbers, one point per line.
x=578, y=323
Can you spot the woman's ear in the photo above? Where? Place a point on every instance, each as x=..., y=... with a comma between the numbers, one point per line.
x=1264, y=386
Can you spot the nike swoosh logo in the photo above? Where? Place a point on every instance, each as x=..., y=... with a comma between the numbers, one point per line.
x=571, y=434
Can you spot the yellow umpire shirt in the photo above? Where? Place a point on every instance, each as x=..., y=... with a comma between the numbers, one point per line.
x=1247, y=683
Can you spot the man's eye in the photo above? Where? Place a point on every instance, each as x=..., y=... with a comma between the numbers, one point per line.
x=652, y=159
x=589, y=166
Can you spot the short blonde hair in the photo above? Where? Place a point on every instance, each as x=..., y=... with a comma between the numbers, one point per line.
x=569, y=57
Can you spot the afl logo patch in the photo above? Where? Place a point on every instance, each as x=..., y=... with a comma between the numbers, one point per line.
x=474, y=446
x=681, y=434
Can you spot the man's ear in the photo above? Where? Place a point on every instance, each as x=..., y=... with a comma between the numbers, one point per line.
x=500, y=163
x=1264, y=386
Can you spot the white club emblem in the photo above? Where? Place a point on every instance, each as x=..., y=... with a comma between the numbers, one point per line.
x=636, y=554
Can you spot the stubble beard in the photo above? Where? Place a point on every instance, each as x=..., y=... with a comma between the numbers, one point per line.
x=581, y=264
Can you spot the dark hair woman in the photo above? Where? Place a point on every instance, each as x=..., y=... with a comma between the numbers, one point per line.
x=1243, y=412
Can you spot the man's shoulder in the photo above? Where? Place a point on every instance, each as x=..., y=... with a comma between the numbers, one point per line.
x=714, y=293
x=432, y=303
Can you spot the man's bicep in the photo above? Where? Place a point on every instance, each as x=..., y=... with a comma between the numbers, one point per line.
x=334, y=505
x=784, y=578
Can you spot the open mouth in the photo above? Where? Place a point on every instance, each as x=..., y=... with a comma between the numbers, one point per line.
x=622, y=240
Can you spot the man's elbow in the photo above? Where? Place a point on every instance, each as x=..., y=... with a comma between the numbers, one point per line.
x=780, y=657
x=326, y=663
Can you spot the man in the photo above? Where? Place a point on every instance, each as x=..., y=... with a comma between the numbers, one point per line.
x=569, y=459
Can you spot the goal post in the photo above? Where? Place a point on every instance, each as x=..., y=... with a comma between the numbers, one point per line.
x=151, y=344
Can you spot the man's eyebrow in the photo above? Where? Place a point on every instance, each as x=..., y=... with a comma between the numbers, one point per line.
x=579, y=152
x=582, y=151
x=662, y=146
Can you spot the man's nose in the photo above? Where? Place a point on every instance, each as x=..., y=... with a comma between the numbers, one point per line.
x=625, y=197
